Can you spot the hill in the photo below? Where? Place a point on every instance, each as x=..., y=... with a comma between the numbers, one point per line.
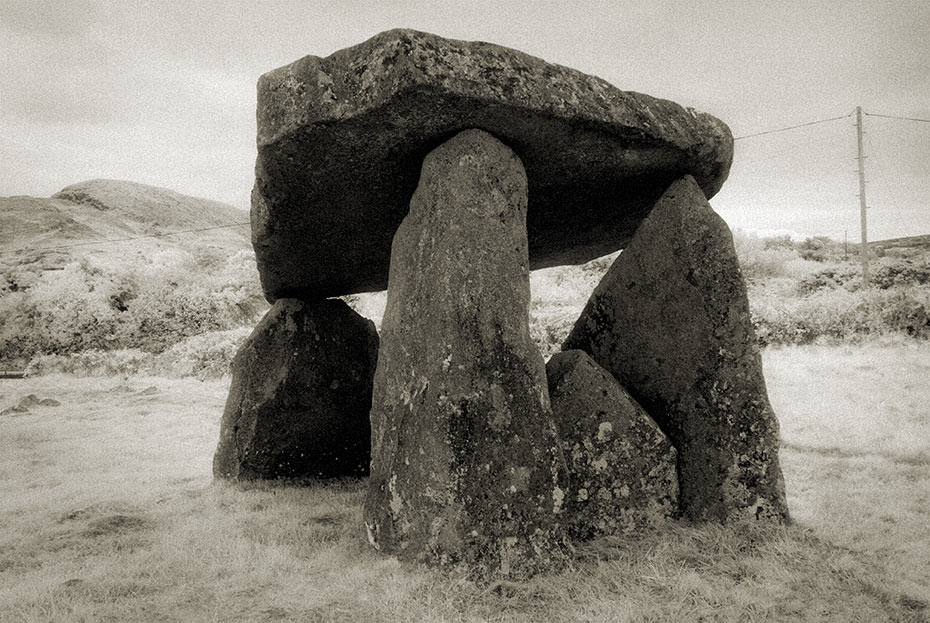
x=914, y=242
x=108, y=264
x=101, y=210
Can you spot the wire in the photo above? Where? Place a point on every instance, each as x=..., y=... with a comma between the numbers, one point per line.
x=791, y=127
x=871, y=114
x=108, y=240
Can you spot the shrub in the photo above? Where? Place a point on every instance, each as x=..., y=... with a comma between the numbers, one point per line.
x=761, y=259
x=815, y=249
x=885, y=273
x=906, y=310
x=93, y=362
x=206, y=356
x=841, y=276
x=840, y=315
x=148, y=303
x=65, y=311
x=779, y=242
x=550, y=328
x=891, y=272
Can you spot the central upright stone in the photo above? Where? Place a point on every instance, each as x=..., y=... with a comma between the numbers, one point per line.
x=466, y=467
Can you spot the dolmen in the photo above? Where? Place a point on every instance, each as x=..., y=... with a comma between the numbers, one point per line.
x=445, y=171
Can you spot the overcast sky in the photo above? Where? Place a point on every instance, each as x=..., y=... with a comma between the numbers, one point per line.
x=163, y=92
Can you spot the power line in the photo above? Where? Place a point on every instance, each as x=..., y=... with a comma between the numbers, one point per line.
x=792, y=127
x=810, y=123
x=870, y=114
x=108, y=240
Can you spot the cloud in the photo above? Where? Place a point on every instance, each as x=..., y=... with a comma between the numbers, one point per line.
x=47, y=19
x=55, y=66
x=163, y=91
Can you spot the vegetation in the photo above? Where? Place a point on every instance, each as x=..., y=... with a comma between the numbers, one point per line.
x=110, y=514
x=179, y=312
x=146, y=303
x=801, y=293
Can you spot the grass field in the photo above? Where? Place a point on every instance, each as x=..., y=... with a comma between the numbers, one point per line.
x=109, y=513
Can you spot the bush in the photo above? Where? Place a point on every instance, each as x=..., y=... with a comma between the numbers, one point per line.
x=180, y=313
x=550, y=328
x=840, y=315
x=206, y=356
x=885, y=273
x=815, y=249
x=149, y=303
x=93, y=363
x=830, y=279
x=890, y=272
x=762, y=259
x=65, y=311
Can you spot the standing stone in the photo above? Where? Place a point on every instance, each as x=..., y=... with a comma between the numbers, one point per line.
x=300, y=395
x=670, y=320
x=466, y=468
x=621, y=467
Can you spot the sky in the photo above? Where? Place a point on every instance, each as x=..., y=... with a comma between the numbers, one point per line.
x=162, y=92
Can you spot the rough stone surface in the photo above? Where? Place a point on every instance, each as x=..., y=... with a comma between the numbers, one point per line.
x=621, y=468
x=670, y=320
x=341, y=140
x=300, y=395
x=466, y=469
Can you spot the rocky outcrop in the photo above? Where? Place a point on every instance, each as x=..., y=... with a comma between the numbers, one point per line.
x=621, y=467
x=341, y=140
x=670, y=320
x=465, y=463
x=300, y=395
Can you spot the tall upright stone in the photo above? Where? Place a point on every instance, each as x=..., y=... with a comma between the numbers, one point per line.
x=466, y=467
x=670, y=320
x=300, y=395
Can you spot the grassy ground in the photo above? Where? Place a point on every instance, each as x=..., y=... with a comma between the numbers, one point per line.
x=109, y=513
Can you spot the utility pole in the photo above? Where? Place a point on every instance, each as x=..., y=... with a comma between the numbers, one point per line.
x=864, y=249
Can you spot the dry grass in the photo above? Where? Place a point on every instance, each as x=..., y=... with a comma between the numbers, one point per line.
x=110, y=514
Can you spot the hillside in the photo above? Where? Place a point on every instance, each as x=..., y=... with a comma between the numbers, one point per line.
x=108, y=264
x=99, y=210
x=907, y=242
x=112, y=221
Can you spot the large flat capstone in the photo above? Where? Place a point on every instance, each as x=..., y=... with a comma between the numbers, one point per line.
x=341, y=140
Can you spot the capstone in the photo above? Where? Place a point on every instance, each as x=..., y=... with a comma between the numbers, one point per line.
x=341, y=140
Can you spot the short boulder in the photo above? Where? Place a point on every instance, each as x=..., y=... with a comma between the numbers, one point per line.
x=300, y=395
x=621, y=468
x=670, y=320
